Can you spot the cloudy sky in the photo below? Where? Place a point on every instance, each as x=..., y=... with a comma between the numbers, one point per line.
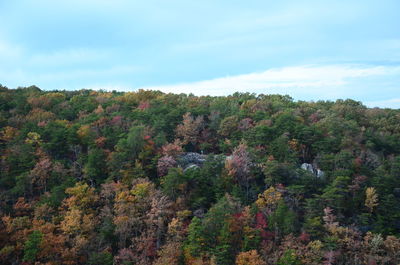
x=310, y=50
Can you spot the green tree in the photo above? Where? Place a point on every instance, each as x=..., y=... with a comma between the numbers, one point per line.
x=289, y=258
x=282, y=220
x=174, y=184
x=216, y=218
x=337, y=194
x=32, y=246
x=224, y=251
x=102, y=258
x=132, y=145
x=95, y=169
x=195, y=240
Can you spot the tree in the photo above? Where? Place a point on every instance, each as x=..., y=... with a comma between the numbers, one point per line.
x=336, y=194
x=268, y=199
x=32, y=246
x=239, y=166
x=289, y=258
x=141, y=217
x=41, y=173
x=216, y=218
x=371, y=198
x=174, y=184
x=313, y=226
x=8, y=133
x=282, y=220
x=278, y=173
x=55, y=138
x=225, y=249
x=96, y=177
x=125, y=159
x=250, y=257
x=81, y=196
x=245, y=124
x=171, y=253
x=133, y=144
x=190, y=129
x=172, y=149
x=164, y=164
x=102, y=258
x=196, y=239
x=95, y=169
x=228, y=126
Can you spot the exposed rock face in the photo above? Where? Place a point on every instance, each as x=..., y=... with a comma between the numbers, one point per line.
x=191, y=160
x=191, y=166
x=316, y=171
x=308, y=167
x=320, y=173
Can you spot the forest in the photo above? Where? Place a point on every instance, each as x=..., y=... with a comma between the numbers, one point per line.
x=145, y=177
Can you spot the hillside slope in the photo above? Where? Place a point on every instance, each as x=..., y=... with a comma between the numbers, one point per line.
x=95, y=177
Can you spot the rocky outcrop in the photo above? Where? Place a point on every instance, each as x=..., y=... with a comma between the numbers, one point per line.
x=191, y=160
x=310, y=168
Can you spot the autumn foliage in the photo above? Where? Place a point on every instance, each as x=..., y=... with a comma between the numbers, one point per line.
x=101, y=178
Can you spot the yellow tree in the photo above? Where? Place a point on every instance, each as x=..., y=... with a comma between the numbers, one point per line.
x=8, y=133
x=79, y=216
x=269, y=199
x=371, y=198
x=249, y=258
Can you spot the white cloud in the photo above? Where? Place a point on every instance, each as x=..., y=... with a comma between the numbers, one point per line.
x=393, y=103
x=301, y=82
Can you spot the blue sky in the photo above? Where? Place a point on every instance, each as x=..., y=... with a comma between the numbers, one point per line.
x=310, y=50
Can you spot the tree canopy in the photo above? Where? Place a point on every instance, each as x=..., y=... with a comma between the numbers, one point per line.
x=96, y=177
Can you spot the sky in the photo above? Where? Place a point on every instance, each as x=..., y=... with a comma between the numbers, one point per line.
x=310, y=50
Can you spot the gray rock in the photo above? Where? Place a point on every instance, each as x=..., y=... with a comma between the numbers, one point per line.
x=190, y=166
x=320, y=173
x=315, y=171
x=308, y=167
x=191, y=158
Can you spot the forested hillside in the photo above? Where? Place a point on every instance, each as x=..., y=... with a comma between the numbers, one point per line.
x=95, y=177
